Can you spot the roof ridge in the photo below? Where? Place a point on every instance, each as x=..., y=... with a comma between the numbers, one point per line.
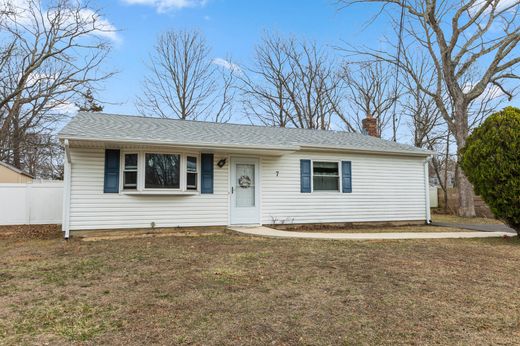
x=218, y=123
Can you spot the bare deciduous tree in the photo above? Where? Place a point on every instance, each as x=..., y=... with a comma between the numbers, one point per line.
x=53, y=55
x=43, y=156
x=371, y=91
x=477, y=37
x=294, y=83
x=185, y=82
x=427, y=126
x=264, y=86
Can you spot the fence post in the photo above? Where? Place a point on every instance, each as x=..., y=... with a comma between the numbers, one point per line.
x=28, y=203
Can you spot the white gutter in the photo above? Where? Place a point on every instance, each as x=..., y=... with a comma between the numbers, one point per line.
x=368, y=151
x=185, y=144
x=427, y=192
x=65, y=227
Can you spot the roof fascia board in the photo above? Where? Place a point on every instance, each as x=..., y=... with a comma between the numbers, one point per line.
x=183, y=145
x=369, y=151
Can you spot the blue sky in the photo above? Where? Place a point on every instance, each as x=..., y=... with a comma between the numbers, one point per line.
x=232, y=28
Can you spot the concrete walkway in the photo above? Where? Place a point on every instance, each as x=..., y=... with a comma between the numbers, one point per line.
x=481, y=228
x=270, y=232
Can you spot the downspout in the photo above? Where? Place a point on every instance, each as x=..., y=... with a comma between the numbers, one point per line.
x=427, y=192
x=66, y=191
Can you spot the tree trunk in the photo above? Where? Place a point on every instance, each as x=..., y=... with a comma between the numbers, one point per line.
x=17, y=160
x=16, y=135
x=466, y=201
x=446, y=166
x=466, y=196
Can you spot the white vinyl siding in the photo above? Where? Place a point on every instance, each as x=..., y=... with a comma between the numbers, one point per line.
x=93, y=209
x=384, y=188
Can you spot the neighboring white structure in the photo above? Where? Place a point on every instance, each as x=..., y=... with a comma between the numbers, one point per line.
x=138, y=172
x=31, y=204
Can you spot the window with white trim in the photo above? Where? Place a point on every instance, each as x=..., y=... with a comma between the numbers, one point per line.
x=191, y=173
x=325, y=176
x=130, y=171
x=162, y=171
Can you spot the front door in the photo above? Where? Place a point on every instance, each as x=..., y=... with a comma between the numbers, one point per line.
x=244, y=184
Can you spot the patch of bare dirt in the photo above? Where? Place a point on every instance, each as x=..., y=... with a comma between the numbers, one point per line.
x=21, y=232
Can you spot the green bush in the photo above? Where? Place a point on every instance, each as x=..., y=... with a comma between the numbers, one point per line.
x=491, y=161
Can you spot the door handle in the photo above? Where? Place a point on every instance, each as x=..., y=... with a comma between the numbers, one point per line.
x=232, y=189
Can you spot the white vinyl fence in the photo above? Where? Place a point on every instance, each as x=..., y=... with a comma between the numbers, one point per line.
x=434, y=197
x=26, y=204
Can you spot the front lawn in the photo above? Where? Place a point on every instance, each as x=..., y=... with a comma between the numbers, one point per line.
x=373, y=229
x=232, y=289
x=465, y=220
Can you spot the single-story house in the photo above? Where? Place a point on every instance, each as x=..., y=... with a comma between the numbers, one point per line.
x=12, y=175
x=141, y=172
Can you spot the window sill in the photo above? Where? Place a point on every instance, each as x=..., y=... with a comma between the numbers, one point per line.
x=164, y=193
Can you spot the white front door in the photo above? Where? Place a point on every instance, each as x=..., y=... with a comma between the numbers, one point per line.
x=245, y=199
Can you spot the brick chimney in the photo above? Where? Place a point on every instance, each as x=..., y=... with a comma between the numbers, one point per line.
x=370, y=126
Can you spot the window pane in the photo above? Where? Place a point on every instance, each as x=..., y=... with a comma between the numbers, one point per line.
x=325, y=176
x=325, y=183
x=245, y=185
x=192, y=164
x=130, y=161
x=191, y=181
x=130, y=180
x=325, y=168
x=162, y=171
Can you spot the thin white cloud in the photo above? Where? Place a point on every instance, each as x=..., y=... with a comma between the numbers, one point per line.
x=104, y=27
x=492, y=92
x=65, y=108
x=227, y=65
x=18, y=12
x=500, y=5
x=162, y=6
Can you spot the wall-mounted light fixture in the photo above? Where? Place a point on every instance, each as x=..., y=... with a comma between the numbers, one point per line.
x=221, y=163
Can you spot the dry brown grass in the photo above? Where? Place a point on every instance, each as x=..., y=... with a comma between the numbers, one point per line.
x=465, y=220
x=380, y=229
x=24, y=232
x=229, y=289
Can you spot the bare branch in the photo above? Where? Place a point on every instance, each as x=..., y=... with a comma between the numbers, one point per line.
x=184, y=82
x=54, y=53
x=293, y=83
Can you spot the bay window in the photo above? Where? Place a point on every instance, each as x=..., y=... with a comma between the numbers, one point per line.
x=158, y=172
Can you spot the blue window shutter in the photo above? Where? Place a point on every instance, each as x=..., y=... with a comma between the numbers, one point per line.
x=206, y=177
x=111, y=171
x=305, y=176
x=346, y=176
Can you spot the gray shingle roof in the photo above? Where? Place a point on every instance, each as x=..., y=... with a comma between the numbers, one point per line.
x=126, y=128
